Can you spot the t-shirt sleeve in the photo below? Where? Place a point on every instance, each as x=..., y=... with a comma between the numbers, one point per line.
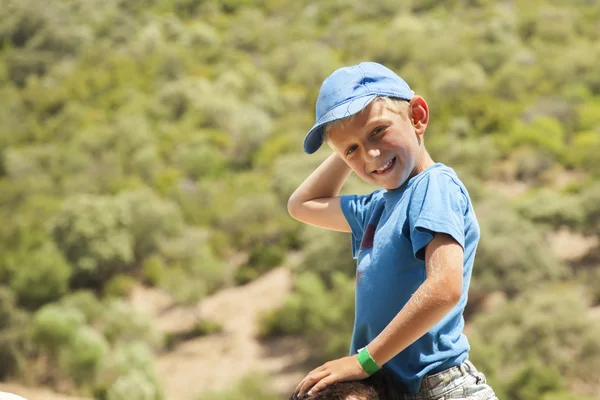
x=358, y=210
x=437, y=204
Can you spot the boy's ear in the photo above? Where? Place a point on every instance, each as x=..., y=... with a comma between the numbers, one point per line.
x=418, y=113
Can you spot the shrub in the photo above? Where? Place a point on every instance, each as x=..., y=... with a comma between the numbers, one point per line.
x=119, y=286
x=14, y=335
x=55, y=326
x=261, y=259
x=194, y=270
x=154, y=270
x=513, y=253
x=590, y=204
x=39, y=275
x=152, y=220
x=533, y=381
x=322, y=316
x=133, y=386
x=120, y=322
x=128, y=373
x=252, y=387
x=583, y=151
x=201, y=328
x=549, y=326
x=82, y=357
x=327, y=253
x=85, y=302
x=590, y=278
x=543, y=133
x=552, y=209
x=93, y=234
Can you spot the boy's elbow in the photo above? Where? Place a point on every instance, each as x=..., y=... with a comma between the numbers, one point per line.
x=454, y=296
x=448, y=292
x=452, y=293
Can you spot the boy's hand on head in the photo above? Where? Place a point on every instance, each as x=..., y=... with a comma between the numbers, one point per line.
x=340, y=370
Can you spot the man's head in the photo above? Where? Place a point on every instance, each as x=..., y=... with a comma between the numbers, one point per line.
x=373, y=120
x=376, y=387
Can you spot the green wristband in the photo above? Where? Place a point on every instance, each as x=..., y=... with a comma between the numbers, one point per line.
x=366, y=362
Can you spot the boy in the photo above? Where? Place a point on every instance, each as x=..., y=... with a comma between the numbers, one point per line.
x=414, y=240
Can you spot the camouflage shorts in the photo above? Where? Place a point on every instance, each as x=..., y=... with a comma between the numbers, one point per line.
x=461, y=382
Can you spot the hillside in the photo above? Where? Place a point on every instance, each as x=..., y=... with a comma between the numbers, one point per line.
x=148, y=149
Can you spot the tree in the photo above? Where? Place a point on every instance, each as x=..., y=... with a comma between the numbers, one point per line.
x=322, y=316
x=13, y=334
x=93, y=232
x=152, y=220
x=128, y=373
x=549, y=325
x=512, y=255
x=38, y=275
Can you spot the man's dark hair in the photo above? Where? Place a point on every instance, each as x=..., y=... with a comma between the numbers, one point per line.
x=378, y=386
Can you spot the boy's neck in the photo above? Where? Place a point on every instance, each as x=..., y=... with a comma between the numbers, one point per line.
x=423, y=162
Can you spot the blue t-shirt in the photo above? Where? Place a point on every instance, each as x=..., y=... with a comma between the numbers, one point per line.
x=390, y=230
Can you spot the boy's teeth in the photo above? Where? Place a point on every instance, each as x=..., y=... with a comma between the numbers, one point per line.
x=387, y=164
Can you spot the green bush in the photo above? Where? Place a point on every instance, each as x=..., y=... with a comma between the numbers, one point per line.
x=93, y=234
x=85, y=302
x=200, y=160
x=590, y=278
x=252, y=387
x=152, y=220
x=533, y=381
x=590, y=204
x=128, y=373
x=513, y=253
x=583, y=151
x=183, y=289
x=39, y=275
x=468, y=156
x=549, y=326
x=154, y=270
x=82, y=357
x=322, y=316
x=14, y=335
x=543, y=133
x=119, y=286
x=327, y=253
x=256, y=219
x=261, y=259
x=55, y=326
x=133, y=386
x=201, y=328
x=552, y=209
x=120, y=322
x=193, y=269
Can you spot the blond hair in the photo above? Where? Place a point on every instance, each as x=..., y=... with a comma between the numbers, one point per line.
x=398, y=105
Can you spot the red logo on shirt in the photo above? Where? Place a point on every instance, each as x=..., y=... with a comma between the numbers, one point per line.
x=369, y=235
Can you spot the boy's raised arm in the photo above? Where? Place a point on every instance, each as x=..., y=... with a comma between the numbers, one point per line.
x=316, y=201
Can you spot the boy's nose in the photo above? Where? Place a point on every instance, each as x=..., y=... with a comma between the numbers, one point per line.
x=372, y=154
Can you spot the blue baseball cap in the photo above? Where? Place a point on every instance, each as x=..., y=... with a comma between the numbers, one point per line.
x=350, y=89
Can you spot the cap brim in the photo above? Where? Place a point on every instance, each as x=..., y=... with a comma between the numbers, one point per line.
x=314, y=137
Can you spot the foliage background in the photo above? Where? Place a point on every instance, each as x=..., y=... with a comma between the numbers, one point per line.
x=150, y=142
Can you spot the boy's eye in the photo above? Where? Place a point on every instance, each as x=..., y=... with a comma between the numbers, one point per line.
x=377, y=130
x=350, y=150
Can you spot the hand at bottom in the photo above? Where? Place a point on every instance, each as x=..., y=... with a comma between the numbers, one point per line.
x=340, y=370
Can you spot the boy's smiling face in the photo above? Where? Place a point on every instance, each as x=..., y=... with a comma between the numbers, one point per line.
x=383, y=144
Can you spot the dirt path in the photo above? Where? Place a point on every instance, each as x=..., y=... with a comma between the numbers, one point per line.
x=218, y=361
